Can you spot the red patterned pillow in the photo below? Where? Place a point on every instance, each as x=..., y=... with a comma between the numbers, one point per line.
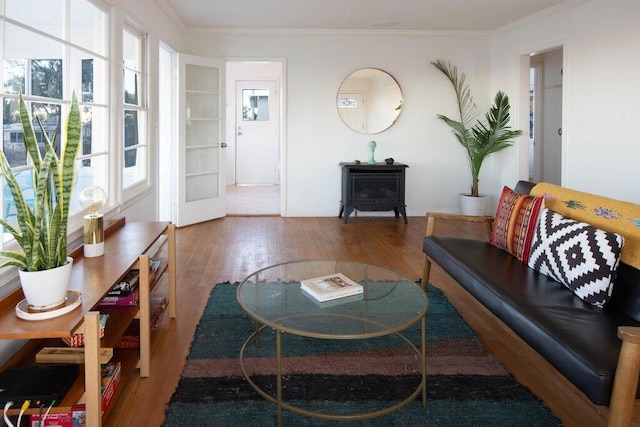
x=515, y=223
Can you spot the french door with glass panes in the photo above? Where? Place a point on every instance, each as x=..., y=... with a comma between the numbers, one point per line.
x=200, y=161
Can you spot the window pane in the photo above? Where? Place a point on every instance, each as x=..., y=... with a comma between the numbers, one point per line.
x=94, y=129
x=34, y=53
x=25, y=180
x=46, y=78
x=131, y=127
x=14, y=75
x=201, y=187
x=89, y=73
x=49, y=116
x=131, y=82
x=12, y=144
x=88, y=26
x=205, y=79
x=45, y=15
x=94, y=173
x=136, y=172
x=255, y=105
x=132, y=50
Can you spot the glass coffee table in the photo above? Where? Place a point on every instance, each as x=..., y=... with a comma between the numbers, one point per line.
x=389, y=304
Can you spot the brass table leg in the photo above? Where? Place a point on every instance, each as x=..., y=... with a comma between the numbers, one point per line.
x=424, y=361
x=279, y=376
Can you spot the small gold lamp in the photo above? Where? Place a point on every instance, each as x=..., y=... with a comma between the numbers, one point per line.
x=92, y=199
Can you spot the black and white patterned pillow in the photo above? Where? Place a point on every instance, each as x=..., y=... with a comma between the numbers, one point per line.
x=576, y=254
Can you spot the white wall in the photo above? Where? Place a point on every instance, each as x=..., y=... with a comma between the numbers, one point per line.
x=600, y=39
x=316, y=138
x=600, y=103
x=153, y=21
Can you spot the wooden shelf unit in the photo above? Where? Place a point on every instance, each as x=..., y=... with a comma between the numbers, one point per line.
x=127, y=246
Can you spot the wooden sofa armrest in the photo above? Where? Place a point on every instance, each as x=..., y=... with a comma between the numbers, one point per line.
x=432, y=217
x=625, y=384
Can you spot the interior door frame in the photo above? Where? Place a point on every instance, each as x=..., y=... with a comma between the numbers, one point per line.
x=524, y=81
x=281, y=87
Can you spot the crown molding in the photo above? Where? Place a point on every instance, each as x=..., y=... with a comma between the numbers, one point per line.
x=171, y=14
x=329, y=32
x=569, y=4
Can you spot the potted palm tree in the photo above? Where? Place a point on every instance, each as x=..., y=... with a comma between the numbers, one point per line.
x=41, y=226
x=479, y=138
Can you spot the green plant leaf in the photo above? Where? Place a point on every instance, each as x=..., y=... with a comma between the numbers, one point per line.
x=479, y=138
x=41, y=230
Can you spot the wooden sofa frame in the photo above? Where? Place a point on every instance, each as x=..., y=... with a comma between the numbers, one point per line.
x=624, y=408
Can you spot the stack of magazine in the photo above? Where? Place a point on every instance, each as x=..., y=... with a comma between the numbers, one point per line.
x=125, y=293
x=331, y=287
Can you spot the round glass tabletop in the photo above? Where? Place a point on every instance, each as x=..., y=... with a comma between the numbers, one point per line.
x=388, y=303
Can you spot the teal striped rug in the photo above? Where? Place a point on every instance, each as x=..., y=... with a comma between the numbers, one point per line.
x=466, y=386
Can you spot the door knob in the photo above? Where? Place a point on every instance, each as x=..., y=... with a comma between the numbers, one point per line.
x=223, y=144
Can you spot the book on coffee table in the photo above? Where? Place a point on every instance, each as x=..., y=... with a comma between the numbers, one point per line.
x=330, y=287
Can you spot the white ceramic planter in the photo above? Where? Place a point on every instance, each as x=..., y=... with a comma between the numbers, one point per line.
x=474, y=206
x=48, y=288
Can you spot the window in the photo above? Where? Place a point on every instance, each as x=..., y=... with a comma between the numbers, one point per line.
x=134, y=110
x=255, y=105
x=51, y=50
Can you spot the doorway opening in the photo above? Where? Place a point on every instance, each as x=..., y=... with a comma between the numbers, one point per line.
x=545, y=116
x=254, y=122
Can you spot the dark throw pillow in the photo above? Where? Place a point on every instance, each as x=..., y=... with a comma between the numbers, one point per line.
x=515, y=223
x=581, y=257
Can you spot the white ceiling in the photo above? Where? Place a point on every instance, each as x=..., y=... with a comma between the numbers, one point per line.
x=402, y=15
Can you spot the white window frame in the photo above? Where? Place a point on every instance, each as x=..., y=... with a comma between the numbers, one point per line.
x=75, y=220
x=142, y=183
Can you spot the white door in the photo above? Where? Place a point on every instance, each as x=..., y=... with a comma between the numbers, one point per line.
x=256, y=133
x=200, y=165
x=552, y=136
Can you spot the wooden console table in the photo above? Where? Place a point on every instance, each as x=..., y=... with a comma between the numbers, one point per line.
x=373, y=187
x=127, y=246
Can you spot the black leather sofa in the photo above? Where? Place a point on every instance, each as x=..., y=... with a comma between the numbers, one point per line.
x=579, y=340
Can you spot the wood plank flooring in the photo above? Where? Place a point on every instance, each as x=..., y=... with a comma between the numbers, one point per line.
x=231, y=248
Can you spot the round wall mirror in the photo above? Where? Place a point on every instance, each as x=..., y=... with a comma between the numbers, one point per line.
x=369, y=101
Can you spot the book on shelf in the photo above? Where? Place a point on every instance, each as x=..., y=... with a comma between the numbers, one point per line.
x=330, y=287
x=127, y=285
x=121, y=300
x=69, y=355
x=154, y=265
x=131, y=336
x=77, y=415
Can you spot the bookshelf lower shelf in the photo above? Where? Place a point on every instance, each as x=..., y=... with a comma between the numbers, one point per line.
x=127, y=246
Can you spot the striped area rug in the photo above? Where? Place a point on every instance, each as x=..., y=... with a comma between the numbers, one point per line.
x=466, y=386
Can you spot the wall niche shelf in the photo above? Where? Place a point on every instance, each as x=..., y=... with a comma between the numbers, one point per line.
x=128, y=245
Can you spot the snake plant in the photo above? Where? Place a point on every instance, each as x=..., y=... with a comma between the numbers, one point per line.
x=480, y=139
x=41, y=230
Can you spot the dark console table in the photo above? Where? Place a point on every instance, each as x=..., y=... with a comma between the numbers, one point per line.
x=377, y=187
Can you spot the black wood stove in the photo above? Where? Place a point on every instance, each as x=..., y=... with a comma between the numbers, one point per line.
x=373, y=187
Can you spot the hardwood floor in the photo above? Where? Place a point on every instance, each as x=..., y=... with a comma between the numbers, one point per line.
x=231, y=248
